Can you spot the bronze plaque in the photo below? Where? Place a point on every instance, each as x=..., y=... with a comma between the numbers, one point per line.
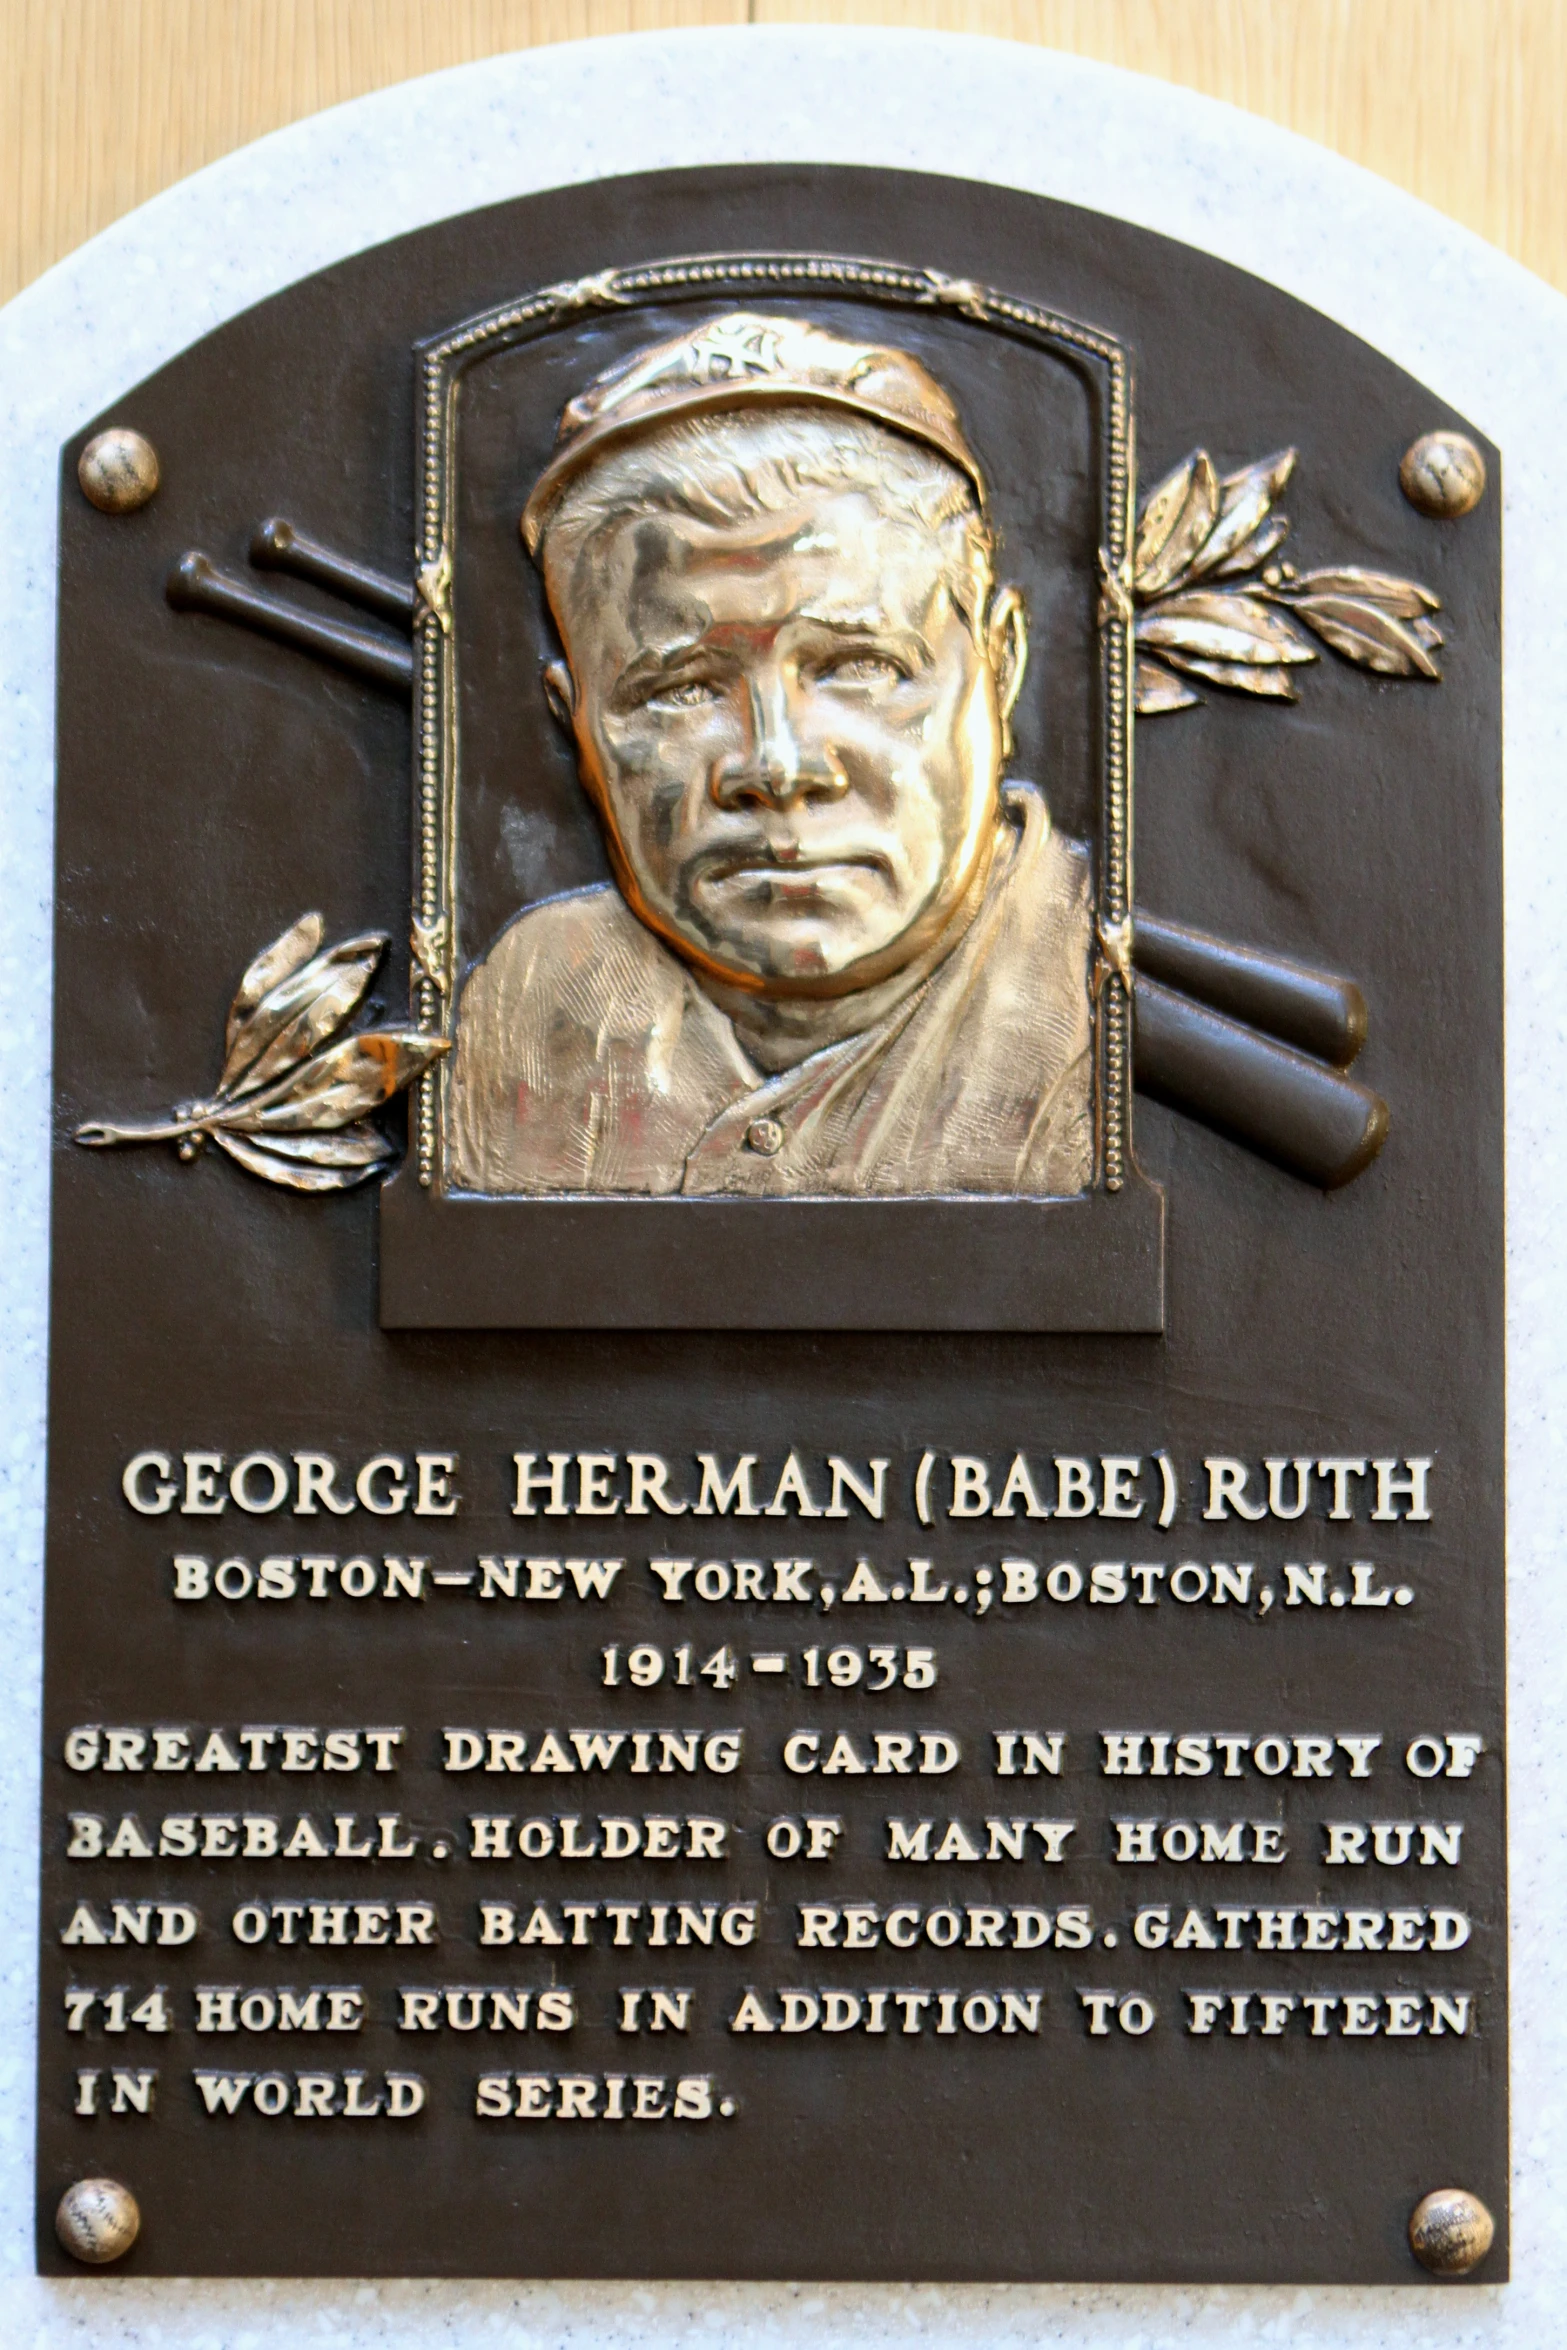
x=776, y=1493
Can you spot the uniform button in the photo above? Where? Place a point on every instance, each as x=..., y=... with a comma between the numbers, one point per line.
x=764, y=1136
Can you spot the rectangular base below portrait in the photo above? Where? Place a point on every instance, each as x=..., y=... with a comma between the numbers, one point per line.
x=778, y=1264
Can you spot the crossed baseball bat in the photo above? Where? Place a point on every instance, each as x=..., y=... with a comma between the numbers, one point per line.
x=1253, y=1044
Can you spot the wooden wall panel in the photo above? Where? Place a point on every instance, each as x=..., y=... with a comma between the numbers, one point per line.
x=104, y=102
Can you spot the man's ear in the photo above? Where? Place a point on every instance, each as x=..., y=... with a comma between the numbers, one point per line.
x=560, y=691
x=1006, y=649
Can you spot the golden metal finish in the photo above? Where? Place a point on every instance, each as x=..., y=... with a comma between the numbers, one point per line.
x=1116, y=603
x=959, y=293
x=605, y=940
x=429, y=943
x=434, y=584
x=748, y=361
x=97, y=2221
x=1450, y=2231
x=291, y=1105
x=1195, y=535
x=789, y=677
x=1114, y=941
x=118, y=470
x=1443, y=474
x=598, y=292
x=591, y=1058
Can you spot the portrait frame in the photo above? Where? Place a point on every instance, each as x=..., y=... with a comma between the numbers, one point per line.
x=1089, y=1262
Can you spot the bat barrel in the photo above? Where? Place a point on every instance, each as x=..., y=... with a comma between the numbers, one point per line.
x=1310, y=1120
x=1315, y=1011
x=278, y=546
x=197, y=585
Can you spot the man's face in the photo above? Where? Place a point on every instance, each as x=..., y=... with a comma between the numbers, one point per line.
x=790, y=732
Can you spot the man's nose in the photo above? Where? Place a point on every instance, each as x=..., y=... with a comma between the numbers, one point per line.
x=776, y=768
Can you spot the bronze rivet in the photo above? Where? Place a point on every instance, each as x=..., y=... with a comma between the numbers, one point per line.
x=764, y=1136
x=1450, y=2231
x=118, y=470
x=1443, y=473
x=98, y=2221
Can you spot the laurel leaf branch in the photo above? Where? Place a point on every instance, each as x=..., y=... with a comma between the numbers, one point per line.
x=294, y=1099
x=1196, y=530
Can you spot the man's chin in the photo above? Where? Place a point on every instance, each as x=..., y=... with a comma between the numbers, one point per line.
x=805, y=962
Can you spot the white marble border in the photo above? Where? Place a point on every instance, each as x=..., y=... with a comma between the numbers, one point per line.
x=1437, y=300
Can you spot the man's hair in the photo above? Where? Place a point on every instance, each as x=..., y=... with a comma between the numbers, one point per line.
x=745, y=462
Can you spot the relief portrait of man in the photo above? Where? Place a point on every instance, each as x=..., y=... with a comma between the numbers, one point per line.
x=842, y=952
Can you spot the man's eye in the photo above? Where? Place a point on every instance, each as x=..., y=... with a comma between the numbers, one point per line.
x=693, y=693
x=862, y=669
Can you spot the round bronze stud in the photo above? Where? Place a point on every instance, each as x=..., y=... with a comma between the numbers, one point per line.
x=98, y=2221
x=1443, y=474
x=1450, y=2231
x=118, y=470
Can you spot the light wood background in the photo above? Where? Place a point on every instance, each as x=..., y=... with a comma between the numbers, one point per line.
x=104, y=102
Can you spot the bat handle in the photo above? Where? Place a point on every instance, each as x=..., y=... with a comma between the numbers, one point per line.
x=1314, y=1122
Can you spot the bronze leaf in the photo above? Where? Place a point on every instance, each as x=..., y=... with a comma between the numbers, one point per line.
x=1217, y=626
x=1256, y=550
x=1242, y=677
x=292, y=1107
x=339, y=1085
x=359, y=1145
x=299, y=942
x=1193, y=527
x=1406, y=599
x=1366, y=634
x=1159, y=690
x=1177, y=519
x=299, y=1014
x=1157, y=519
x=294, y=1174
x=1247, y=502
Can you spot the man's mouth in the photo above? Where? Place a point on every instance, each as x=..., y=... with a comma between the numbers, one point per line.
x=786, y=862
